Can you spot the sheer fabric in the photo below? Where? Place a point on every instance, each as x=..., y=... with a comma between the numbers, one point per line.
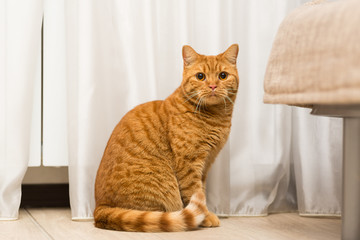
x=20, y=98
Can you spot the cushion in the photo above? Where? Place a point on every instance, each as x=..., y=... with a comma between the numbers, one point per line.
x=315, y=58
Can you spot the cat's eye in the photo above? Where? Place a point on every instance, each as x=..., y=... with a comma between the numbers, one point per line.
x=223, y=75
x=200, y=76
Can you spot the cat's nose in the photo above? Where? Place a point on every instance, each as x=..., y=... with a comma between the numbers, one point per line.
x=212, y=87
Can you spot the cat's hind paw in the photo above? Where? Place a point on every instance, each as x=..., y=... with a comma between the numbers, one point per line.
x=211, y=220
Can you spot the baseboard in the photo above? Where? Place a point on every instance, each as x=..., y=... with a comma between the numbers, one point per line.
x=45, y=195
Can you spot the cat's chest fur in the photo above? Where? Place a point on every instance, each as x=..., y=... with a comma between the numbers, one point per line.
x=197, y=137
x=197, y=133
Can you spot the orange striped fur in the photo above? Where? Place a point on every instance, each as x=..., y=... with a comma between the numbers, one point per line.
x=153, y=172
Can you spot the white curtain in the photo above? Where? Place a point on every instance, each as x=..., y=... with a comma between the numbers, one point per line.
x=102, y=58
x=20, y=97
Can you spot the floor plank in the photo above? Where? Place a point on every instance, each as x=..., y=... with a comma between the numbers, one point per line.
x=288, y=226
x=58, y=224
x=23, y=228
x=273, y=227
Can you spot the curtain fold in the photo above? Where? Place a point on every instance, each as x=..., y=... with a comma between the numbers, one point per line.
x=317, y=155
x=55, y=94
x=20, y=98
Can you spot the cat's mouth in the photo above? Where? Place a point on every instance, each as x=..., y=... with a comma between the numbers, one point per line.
x=213, y=93
x=213, y=97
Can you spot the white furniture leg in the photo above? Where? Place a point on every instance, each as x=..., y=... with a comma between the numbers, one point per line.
x=351, y=180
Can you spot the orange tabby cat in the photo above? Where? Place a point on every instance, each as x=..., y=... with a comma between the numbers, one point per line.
x=159, y=154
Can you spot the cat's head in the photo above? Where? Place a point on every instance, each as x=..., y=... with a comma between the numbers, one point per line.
x=210, y=80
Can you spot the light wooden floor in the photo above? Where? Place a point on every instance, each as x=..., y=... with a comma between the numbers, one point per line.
x=50, y=223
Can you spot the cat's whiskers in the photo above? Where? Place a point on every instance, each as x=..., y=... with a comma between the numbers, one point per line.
x=225, y=97
x=228, y=98
x=224, y=104
x=231, y=90
x=203, y=104
x=197, y=109
x=191, y=96
x=199, y=104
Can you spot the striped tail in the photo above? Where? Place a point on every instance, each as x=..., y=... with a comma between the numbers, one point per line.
x=146, y=221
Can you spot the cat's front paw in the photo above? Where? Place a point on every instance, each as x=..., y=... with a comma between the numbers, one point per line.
x=211, y=220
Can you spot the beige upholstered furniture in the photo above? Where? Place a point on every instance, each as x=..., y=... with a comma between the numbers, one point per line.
x=315, y=62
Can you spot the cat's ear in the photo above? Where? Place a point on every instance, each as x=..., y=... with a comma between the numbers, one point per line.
x=231, y=53
x=189, y=55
